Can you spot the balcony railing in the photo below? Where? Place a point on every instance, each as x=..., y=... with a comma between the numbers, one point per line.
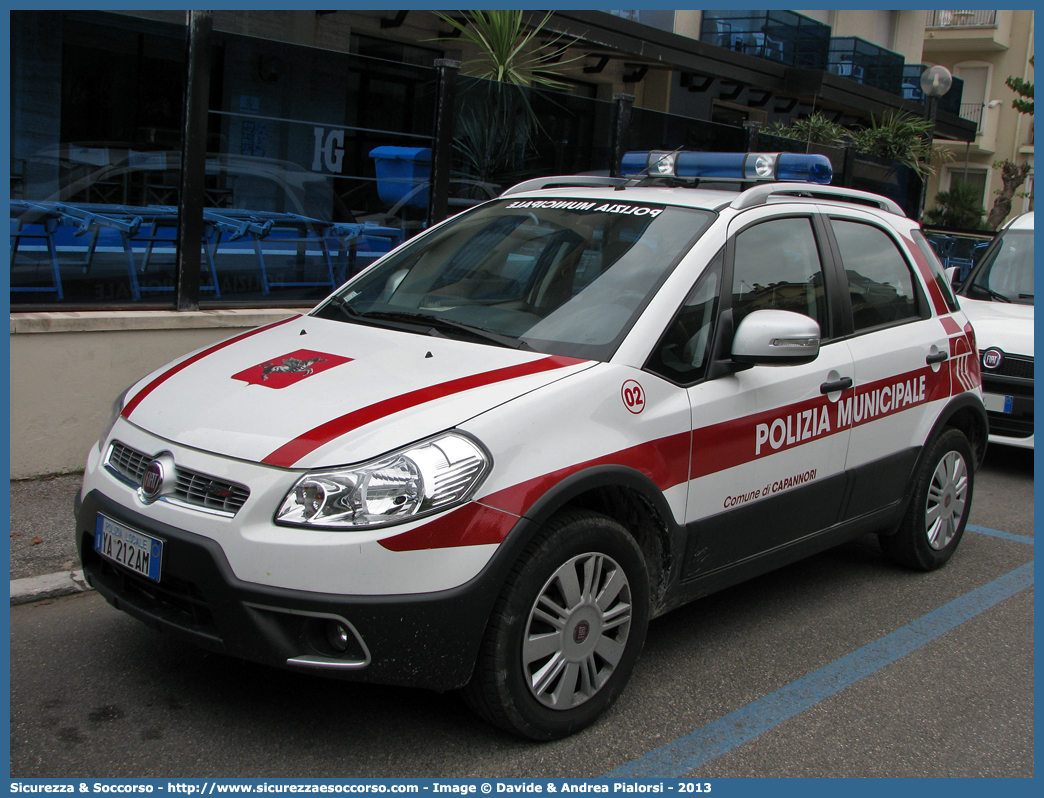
x=974, y=113
x=961, y=18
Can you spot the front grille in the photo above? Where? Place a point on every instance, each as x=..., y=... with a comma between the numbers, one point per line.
x=128, y=462
x=1013, y=366
x=208, y=492
x=193, y=488
x=1001, y=424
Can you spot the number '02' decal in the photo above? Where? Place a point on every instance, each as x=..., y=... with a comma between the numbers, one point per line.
x=633, y=396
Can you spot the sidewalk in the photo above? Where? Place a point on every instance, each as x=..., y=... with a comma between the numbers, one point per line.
x=43, y=549
x=48, y=586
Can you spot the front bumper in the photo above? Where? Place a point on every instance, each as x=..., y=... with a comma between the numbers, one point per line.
x=423, y=640
x=1009, y=404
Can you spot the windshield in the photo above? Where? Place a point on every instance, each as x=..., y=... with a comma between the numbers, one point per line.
x=558, y=276
x=1006, y=272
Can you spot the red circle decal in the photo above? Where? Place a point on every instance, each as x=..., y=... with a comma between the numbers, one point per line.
x=633, y=396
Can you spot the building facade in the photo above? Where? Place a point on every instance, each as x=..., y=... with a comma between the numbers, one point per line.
x=984, y=48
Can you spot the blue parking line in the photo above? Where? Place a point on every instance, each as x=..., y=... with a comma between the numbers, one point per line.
x=707, y=743
x=998, y=534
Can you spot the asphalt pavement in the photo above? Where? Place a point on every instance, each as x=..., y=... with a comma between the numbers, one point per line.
x=840, y=665
x=44, y=563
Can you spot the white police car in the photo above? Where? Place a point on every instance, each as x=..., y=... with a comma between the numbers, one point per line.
x=487, y=461
x=997, y=297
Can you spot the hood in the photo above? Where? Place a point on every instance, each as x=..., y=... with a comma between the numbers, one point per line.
x=308, y=392
x=1008, y=326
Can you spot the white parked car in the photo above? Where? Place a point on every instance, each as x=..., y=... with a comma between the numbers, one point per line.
x=487, y=461
x=997, y=297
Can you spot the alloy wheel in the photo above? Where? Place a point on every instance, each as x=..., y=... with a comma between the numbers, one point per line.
x=577, y=631
x=947, y=496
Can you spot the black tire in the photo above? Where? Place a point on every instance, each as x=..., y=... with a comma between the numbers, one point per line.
x=935, y=520
x=545, y=681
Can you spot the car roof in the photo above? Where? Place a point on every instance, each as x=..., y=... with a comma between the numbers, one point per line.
x=1024, y=222
x=617, y=191
x=702, y=198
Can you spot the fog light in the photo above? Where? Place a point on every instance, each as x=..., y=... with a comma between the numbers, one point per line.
x=337, y=636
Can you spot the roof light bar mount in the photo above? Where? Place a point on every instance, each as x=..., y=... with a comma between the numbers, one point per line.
x=744, y=167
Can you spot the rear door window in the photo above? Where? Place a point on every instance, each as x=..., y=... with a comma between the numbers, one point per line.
x=880, y=281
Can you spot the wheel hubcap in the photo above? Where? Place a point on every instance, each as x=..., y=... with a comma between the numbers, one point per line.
x=946, y=499
x=577, y=631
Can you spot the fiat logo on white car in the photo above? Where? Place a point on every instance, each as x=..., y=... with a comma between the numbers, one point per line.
x=992, y=358
x=156, y=477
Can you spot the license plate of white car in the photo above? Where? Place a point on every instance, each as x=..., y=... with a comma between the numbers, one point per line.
x=128, y=547
x=997, y=403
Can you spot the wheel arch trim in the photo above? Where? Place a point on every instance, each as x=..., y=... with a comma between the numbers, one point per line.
x=962, y=404
x=595, y=478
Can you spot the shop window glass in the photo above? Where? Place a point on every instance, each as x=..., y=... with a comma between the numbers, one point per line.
x=294, y=198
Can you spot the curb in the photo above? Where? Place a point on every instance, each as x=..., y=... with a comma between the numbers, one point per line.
x=37, y=588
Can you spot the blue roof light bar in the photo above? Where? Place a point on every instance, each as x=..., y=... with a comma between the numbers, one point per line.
x=740, y=166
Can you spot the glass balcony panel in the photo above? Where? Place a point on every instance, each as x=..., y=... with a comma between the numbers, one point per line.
x=783, y=36
x=866, y=63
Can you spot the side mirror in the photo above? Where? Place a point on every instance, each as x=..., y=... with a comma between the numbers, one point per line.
x=953, y=276
x=776, y=338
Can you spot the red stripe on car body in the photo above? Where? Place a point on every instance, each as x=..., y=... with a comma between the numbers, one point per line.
x=184, y=364
x=950, y=326
x=665, y=461
x=925, y=270
x=675, y=459
x=470, y=525
x=290, y=453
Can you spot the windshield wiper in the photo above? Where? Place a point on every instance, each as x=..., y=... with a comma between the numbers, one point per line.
x=992, y=294
x=436, y=323
x=342, y=305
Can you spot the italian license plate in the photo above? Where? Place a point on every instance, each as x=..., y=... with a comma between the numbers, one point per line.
x=128, y=547
x=997, y=403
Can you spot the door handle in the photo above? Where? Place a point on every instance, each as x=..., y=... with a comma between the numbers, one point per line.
x=938, y=357
x=842, y=384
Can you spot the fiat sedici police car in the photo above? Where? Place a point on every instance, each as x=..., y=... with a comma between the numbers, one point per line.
x=488, y=460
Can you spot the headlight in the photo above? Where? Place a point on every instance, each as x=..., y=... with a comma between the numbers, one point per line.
x=423, y=479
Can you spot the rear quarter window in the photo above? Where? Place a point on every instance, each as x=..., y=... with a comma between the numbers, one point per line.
x=938, y=272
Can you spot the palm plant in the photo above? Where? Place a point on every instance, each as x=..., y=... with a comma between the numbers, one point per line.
x=901, y=137
x=895, y=137
x=960, y=207
x=815, y=129
x=496, y=120
x=493, y=138
x=506, y=52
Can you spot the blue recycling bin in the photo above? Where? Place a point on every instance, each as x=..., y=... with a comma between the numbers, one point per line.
x=403, y=174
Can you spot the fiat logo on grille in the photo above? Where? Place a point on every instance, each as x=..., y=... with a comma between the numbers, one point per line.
x=156, y=477
x=992, y=358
